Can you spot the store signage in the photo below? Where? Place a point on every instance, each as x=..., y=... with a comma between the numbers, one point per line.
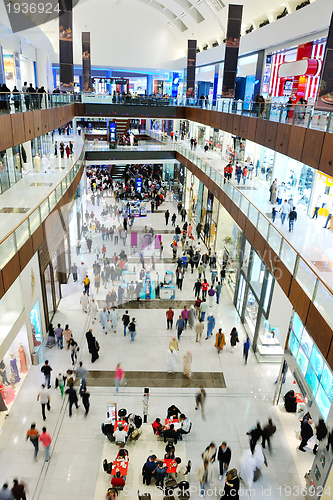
x=112, y=132
x=235, y=13
x=66, y=45
x=117, y=81
x=191, y=63
x=324, y=100
x=86, y=63
x=306, y=67
x=325, y=178
x=138, y=184
x=216, y=81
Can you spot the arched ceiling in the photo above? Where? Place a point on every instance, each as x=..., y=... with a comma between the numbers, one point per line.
x=154, y=33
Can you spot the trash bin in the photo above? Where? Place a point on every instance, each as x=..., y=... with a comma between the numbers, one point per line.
x=34, y=357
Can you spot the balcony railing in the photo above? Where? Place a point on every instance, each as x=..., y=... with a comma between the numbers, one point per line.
x=16, y=238
x=18, y=102
x=298, y=114
x=316, y=289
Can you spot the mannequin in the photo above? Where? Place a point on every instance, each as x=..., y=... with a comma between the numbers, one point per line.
x=3, y=374
x=45, y=164
x=7, y=393
x=37, y=162
x=3, y=406
x=13, y=369
x=18, y=162
x=23, y=359
x=36, y=342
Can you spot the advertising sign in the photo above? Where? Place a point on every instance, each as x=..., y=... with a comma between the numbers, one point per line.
x=175, y=84
x=216, y=81
x=235, y=13
x=138, y=184
x=9, y=67
x=324, y=100
x=86, y=63
x=191, y=62
x=36, y=325
x=66, y=45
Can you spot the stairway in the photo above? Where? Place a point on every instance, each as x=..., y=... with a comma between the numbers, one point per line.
x=122, y=126
x=118, y=172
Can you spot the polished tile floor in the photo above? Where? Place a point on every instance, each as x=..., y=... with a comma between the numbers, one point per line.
x=75, y=472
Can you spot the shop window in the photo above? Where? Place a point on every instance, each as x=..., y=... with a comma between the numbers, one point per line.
x=246, y=257
x=48, y=290
x=36, y=326
x=257, y=274
x=268, y=343
x=241, y=294
x=269, y=285
x=251, y=313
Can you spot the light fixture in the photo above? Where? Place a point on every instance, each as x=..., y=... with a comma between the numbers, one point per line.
x=182, y=14
x=169, y=24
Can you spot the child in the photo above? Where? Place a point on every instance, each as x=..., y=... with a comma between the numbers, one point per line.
x=274, y=212
x=61, y=383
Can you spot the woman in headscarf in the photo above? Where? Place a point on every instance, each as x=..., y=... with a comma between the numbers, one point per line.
x=51, y=337
x=187, y=360
x=220, y=341
x=93, y=346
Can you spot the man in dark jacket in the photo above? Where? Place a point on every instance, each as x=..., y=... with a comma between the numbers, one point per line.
x=125, y=320
x=223, y=457
x=255, y=434
x=306, y=433
x=292, y=218
x=72, y=398
x=267, y=433
x=171, y=434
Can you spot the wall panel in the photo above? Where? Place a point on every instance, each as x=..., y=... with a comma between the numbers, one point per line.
x=326, y=158
x=282, y=138
x=313, y=144
x=6, y=134
x=29, y=125
x=18, y=128
x=296, y=142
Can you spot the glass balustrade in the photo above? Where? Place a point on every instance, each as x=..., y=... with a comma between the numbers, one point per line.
x=306, y=277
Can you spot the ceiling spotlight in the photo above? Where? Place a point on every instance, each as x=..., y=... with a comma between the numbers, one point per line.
x=169, y=24
x=182, y=14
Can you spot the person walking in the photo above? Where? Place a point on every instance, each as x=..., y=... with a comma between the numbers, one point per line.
x=306, y=433
x=73, y=348
x=223, y=458
x=46, y=370
x=93, y=346
x=33, y=435
x=132, y=329
x=85, y=395
x=44, y=399
x=267, y=433
x=72, y=398
x=171, y=360
x=74, y=270
x=18, y=490
x=97, y=282
x=199, y=328
x=220, y=341
x=255, y=434
x=46, y=440
x=191, y=317
x=173, y=220
x=125, y=319
x=203, y=309
x=166, y=215
x=114, y=316
x=81, y=372
x=233, y=338
x=204, y=288
x=185, y=313
x=103, y=319
x=93, y=309
x=58, y=333
x=86, y=283
x=200, y=399
x=5, y=492
x=197, y=288
x=205, y=476
x=292, y=219
x=119, y=377
x=285, y=209
x=218, y=290
x=210, y=325
x=211, y=293
x=180, y=325
x=329, y=217
x=84, y=301
x=187, y=361
x=169, y=316
x=246, y=348
x=317, y=206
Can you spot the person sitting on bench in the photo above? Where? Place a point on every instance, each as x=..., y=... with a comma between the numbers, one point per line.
x=118, y=481
x=185, y=425
x=170, y=434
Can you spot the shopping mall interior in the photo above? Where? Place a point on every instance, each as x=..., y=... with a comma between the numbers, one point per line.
x=166, y=182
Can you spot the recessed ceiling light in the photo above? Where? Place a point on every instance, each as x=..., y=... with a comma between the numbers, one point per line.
x=182, y=14
x=169, y=24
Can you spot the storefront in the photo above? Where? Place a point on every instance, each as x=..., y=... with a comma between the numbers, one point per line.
x=322, y=195
x=208, y=217
x=262, y=159
x=257, y=298
x=191, y=198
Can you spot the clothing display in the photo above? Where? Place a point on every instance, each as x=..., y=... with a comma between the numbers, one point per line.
x=7, y=393
x=23, y=359
x=14, y=371
x=3, y=406
x=3, y=373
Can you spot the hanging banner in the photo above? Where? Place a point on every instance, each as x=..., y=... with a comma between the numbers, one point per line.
x=324, y=100
x=216, y=81
x=86, y=63
x=66, y=45
x=191, y=62
x=235, y=13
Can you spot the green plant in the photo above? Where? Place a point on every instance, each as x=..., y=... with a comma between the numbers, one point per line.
x=23, y=154
x=228, y=240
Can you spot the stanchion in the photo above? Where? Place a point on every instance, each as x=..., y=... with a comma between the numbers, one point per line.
x=145, y=404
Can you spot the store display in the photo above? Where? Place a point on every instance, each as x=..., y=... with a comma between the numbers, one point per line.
x=23, y=359
x=3, y=406
x=14, y=374
x=7, y=393
x=3, y=373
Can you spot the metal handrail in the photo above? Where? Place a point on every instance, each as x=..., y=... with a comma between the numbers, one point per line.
x=180, y=148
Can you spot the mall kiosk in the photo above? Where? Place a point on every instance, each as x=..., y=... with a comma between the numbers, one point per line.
x=136, y=208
